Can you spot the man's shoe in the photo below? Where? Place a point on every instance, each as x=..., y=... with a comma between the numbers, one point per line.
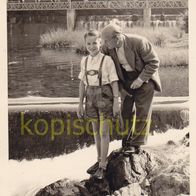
x=91, y=170
x=100, y=173
x=130, y=150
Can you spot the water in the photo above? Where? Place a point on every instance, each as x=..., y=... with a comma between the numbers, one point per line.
x=46, y=73
x=35, y=71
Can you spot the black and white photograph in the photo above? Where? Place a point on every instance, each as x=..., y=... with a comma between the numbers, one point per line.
x=97, y=98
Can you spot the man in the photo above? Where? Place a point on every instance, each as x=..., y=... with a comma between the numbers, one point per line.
x=137, y=67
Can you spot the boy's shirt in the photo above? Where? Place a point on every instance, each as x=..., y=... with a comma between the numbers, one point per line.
x=108, y=70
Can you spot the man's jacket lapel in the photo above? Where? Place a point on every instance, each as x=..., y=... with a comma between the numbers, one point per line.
x=129, y=52
x=118, y=66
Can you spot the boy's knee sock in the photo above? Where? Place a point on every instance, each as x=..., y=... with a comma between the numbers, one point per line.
x=99, y=159
x=103, y=165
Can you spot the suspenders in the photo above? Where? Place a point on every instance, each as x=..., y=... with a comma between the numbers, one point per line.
x=99, y=73
x=86, y=60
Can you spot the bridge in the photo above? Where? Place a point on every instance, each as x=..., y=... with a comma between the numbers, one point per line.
x=72, y=5
x=107, y=4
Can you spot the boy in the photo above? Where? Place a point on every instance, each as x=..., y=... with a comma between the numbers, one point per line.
x=99, y=84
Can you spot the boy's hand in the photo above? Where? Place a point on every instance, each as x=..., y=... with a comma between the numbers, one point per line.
x=80, y=111
x=116, y=108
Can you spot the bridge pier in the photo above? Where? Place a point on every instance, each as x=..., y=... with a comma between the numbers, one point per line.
x=11, y=22
x=147, y=16
x=71, y=18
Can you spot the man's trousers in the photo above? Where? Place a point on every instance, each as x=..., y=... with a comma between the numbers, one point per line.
x=137, y=122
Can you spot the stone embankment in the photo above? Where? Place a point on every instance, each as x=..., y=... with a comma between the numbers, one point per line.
x=45, y=126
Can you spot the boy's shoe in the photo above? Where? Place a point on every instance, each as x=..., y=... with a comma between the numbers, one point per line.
x=91, y=170
x=100, y=173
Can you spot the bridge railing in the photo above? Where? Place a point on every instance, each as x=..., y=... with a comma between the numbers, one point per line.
x=107, y=4
x=35, y=1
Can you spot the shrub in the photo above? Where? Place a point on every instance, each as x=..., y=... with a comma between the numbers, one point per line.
x=183, y=21
x=186, y=21
x=61, y=38
x=172, y=49
x=135, y=18
x=160, y=40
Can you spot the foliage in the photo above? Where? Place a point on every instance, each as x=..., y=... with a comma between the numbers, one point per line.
x=186, y=21
x=171, y=45
x=183, y=21
x=57, y=38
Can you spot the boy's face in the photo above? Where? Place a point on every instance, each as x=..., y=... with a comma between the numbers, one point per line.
x=93, y=45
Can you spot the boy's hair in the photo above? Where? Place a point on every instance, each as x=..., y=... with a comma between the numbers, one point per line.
x=92, y=32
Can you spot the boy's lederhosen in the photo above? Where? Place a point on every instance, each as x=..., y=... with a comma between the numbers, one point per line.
x=99, y=99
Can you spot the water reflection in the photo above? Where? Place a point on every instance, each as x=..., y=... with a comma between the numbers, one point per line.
x=44, y=72
x=34, y=71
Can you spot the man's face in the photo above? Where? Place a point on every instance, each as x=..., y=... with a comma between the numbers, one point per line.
x=113, y=42
x=93, y=45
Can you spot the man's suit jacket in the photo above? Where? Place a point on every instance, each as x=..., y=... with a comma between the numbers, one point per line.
x=140, y=54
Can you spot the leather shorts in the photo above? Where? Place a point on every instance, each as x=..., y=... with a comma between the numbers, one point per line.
x=99, y=101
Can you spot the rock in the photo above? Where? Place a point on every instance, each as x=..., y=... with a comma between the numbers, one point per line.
x=184, y=114
x=170, y=185
x=123, y=171
x=170, y=142
x=185, y=140
x=145, y=183
x=63, y=187
x=158, y=171
x=97, y=187
x=130, y=190
x=174, y=179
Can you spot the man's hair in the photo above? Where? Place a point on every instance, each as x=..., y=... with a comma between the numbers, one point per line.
x=110, y=31
x=92, y=32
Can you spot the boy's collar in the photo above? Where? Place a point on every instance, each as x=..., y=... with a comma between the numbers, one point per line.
x=95, y=55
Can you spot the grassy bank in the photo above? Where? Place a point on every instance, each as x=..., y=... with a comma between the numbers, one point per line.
x=171, y=45
x=175, y=81
x=61, y=38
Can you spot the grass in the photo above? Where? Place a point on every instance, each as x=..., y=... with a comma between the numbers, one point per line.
x=157, y=36
x=175, y=81
x=56, y=38
x=172, y=57
x=170, y=44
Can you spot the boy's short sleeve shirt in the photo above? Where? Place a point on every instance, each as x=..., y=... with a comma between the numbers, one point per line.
x=108, y=70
